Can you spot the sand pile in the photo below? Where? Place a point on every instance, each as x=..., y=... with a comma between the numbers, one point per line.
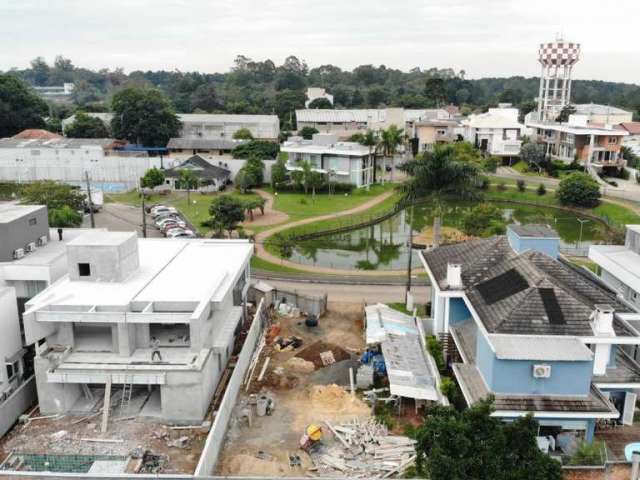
x=299, y=365
x=335, y=399
x=245, y=464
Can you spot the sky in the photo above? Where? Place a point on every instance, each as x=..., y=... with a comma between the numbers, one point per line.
x=482, y=37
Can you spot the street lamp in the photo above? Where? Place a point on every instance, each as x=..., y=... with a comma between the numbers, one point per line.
x=582, y=222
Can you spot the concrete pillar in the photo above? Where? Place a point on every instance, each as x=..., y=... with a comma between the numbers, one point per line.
x=591, y=430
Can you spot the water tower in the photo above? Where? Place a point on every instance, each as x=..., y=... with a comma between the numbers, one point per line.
x=557, y=60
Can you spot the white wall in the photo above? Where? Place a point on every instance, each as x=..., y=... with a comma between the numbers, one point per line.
x=70, y=164
x=10, y=340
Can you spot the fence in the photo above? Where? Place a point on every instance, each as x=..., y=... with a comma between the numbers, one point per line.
x=313, y=304
x=215, y=439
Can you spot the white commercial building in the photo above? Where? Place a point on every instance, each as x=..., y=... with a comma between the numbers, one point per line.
x=70, y=159
x=344, y=162
x=154, y=314
x=213, y=125
x=496, y=132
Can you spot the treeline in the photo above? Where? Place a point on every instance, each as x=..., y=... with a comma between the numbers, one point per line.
x=264, y=87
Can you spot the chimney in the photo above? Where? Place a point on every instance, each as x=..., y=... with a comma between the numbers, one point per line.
x=454, y=275
x=603, y=320
x=602, y=327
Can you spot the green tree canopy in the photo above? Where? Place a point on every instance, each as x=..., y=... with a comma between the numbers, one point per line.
x=308, y=132
x=320, y=103
x=64, y=217
x=153, y=177
x=256, y=148
x=243, y=134
x=226, y=212
x=580, y=190
x=20, y=108
x=472, y=444
x=534, y=154
x=53, y=194
x=85, y=126
x=143, y=116
x=278, y=173
x=482, y=220
x=440, y=172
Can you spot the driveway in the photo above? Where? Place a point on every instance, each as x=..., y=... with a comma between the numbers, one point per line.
x=121, y=218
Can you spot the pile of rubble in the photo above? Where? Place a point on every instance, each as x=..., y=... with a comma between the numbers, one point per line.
x=365, y=450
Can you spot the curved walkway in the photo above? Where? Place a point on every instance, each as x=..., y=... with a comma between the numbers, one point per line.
x=271, y=215
x=265, y=255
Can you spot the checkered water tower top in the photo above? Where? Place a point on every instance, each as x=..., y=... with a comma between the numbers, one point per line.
x=559, y=53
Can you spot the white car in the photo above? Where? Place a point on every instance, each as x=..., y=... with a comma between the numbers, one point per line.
x=161, y=223
x=179, y=232
x=161, y=210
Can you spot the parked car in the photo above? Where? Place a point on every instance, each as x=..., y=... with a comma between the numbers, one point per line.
x=175, y=229
x=182, y=234
x=162, y=222
x=160, y=210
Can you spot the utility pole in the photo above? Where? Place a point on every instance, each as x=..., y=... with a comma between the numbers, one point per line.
x=144, y=217
x=93, y=221
x=410, y=252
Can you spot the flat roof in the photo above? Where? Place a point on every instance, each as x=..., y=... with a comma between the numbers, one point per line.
x=535, y=347
x=579, y=129
x=533, y=230
x=180, y=270
x=13, y=211
x=338, y=148
x=620, y=261
x=101, y=238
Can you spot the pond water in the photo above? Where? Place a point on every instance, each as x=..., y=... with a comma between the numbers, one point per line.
x=384, y=246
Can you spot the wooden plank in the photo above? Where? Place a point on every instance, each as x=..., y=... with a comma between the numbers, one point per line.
x=103, y=440
x=264, y=369
x=107, y=406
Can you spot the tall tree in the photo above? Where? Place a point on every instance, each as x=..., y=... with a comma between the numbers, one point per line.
x=53, y=194
x=20, y=108
x=143, y=116
x=390, y=140
x=40, y=71
x=188, y=181
x=154, y=177
x=85, y=126
x=226, y=212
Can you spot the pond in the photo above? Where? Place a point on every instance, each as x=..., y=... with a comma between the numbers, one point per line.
x=384, y=246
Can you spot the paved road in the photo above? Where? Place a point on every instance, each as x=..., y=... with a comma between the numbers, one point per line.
x=121, y=218
x=357, y=293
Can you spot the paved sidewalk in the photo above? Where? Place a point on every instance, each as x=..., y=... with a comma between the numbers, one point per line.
x=271, y=216
x=265, y=255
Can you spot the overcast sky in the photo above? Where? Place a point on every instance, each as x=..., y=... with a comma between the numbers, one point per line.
x=483, y=37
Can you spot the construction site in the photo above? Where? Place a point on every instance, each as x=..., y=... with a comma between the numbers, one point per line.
x=300, y=412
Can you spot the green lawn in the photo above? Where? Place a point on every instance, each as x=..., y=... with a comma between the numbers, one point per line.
x=196, y=211
x=260, y=264
x=299, y=205
x=585, y=263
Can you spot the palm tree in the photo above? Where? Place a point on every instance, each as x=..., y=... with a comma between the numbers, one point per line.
x=370, y=139
x=188, y=178
x=390, y=140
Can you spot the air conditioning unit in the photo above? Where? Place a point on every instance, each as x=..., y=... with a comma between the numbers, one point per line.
x=18, y=253
x=31, y=247
x=542, y=371
x=42, y=241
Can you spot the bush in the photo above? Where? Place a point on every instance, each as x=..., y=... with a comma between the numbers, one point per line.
x=256, y=148
x=490, y=164
x=336, y=187
x=308, y=132
x=448, y=388
x=522, y=186
x=484, y=184
x=502, y=186
x=579, y=189
x=588, y=454
x=541, y=190
x=435, y=349
x=483, y=219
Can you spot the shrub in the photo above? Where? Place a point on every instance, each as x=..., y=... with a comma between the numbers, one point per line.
x=483, y=219
x=490, y=164
x=449, y=389
x=502, y=186
x=580, y=190
x=484, y=184
x=308, y=132
x=256, y=148
x=542, y=190
x=522, y=186
x=588, y=454
x=435, y=349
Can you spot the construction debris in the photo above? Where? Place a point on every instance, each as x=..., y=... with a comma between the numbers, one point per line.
x=287, y=344
x=365, y=449
x=327, y=358
x=182, y=442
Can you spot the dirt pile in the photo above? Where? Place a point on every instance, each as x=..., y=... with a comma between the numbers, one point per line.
x=313, y=351
x=299, y=365
x=244, y=464
x=333, y=398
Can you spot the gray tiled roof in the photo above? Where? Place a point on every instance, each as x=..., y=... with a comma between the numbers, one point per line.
x=524, y=312
x=626, y=370
x=200, y=168
x=475, y=390
x=534, y=230
x=204, y=143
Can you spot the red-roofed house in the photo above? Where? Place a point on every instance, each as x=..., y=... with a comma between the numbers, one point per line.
x=36, y=134
x=633, y=139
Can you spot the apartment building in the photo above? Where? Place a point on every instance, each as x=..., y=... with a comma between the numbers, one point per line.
x=344, y=162
x=543, y=336
x=429, y=133
x=139, y=313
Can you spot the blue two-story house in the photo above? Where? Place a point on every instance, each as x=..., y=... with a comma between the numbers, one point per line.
x=539, y=334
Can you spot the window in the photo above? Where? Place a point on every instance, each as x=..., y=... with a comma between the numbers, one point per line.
x=12, y=370
x=33, y=221
x=613, y=139
x=84, y=269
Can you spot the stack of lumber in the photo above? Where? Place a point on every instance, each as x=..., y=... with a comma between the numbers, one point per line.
x=364, y=450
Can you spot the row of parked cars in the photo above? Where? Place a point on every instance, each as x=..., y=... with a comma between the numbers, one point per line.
x=169, y=222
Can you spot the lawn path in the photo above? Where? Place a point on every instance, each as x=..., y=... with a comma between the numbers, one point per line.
x=271, y=215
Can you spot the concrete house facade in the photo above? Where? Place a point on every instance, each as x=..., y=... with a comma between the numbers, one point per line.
x=497, y=132
x=542, y=336
x=126, y=298
x=344, y=162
